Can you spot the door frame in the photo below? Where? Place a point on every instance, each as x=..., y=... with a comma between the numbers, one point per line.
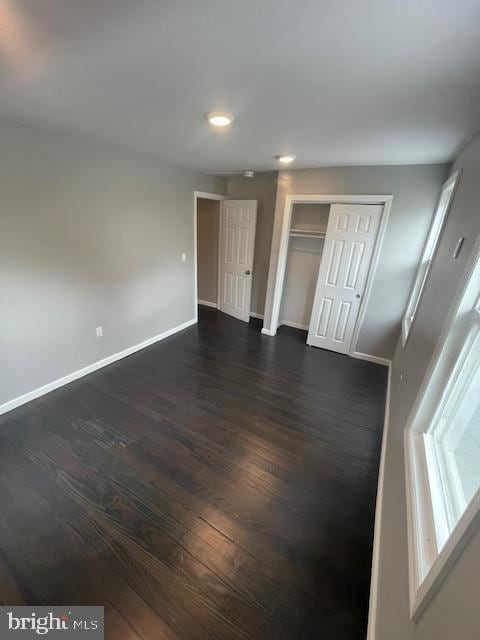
x=290, y=200
x=204, y=195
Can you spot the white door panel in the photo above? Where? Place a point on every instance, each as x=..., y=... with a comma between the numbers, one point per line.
x=349, y=244
x=239, y=219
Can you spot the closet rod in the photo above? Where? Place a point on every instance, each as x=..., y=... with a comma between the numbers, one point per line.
x=307, y=235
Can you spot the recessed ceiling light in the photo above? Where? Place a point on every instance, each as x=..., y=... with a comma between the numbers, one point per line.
x=219, y=118
x=285, y=159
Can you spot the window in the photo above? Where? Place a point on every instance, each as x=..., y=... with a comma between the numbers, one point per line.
x=453, y=439
x=443, y=206
x=442, y=444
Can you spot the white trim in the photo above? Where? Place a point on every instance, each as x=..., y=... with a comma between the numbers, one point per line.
x=372, y=609
x=294, y=325
x=256, y=315
x=290, y=200
x=449, y=554
x=370, y=358
x=423, y=554
x=221, y=213
x=209, y=196
x=60, y=382
x=206, y=196
x=344, y=198
x=206, y=303
x=420, y=282
x=267, y=332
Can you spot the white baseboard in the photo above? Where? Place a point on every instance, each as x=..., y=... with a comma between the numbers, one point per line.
x=372, y=609
x=205, y=303
x=60, y=382
x=267, y=332
x=369, y=358
x=256, y=315
x=294, y=325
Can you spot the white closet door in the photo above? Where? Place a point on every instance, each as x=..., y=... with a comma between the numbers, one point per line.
x=238, y=242
x=349, y=244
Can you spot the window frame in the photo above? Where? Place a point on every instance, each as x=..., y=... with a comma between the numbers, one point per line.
x=433, y=547
x=428, y=253
x=448, y=493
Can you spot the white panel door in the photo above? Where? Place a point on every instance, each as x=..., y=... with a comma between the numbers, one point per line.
x=349, y=244
x=239, y=219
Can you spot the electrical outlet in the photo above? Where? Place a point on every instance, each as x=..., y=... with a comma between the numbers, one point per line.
x=184, y=257
x=99, y=332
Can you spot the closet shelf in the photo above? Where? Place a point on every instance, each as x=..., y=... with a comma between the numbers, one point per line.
x=306, y=233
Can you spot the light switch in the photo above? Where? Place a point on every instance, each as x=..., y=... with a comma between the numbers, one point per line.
x=458, y=248
x=184, y=257
x=99, y=332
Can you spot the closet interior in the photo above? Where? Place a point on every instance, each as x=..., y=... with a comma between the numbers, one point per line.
x=305, y=248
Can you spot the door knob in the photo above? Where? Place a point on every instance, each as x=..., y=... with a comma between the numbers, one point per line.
x=248, y=272
x=358, y=295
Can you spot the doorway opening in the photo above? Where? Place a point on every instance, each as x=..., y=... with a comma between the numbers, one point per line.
x=208, y=245
x=224, y=243
x=304, y=254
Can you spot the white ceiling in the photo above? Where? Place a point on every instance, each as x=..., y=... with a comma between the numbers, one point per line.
x=338, y=82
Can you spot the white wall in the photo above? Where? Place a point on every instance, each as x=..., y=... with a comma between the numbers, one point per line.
x=454, y=612
x=415, y=191
x=88, y=236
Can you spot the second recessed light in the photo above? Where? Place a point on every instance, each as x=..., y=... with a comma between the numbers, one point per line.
x=285, y=158
x=219, y=118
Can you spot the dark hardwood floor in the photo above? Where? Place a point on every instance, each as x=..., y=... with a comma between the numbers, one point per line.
x=218, y=485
